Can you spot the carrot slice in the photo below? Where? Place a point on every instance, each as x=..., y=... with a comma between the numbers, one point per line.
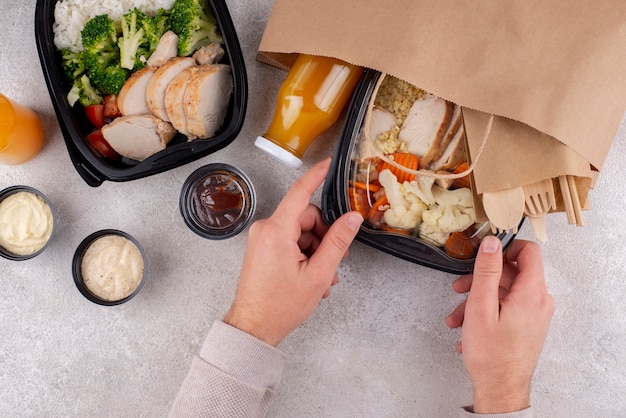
x=463, y=181
x=404, y=159
x=368, y=187
x=359, y=201
x=396, y=230
x=373, y=214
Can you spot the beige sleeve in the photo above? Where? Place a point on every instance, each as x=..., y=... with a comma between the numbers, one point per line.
x=235, y=375
x=524, y=413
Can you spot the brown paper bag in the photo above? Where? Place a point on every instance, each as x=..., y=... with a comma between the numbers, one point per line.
x=536, y=164
x=553, y=72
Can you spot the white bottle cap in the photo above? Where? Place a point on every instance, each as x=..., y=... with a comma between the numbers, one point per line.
x=279, y=153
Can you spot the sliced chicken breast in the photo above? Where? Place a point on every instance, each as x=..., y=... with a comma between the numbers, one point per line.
x=155, y=90
x=132, y=97
x=455, y=125
x=174, y=94
x=206, y=99
x=138, y=136
x=424, y=127
x=209, y=54
x=166, y=49
x=454, y=154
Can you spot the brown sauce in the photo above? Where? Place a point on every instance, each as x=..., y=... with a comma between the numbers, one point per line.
x=217, y=201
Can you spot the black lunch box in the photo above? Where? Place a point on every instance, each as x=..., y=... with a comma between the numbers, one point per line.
x=335, y=200
x=90, y=165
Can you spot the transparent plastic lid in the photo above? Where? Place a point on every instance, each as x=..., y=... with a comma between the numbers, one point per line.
x=417, y=201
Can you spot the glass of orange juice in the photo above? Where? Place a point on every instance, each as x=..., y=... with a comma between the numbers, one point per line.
x=21, y=132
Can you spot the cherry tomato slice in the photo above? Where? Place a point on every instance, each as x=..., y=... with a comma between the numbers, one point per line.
x=96, y=139
x=95, y=114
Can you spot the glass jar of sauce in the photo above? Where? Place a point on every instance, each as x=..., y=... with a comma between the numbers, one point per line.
x=217, y=201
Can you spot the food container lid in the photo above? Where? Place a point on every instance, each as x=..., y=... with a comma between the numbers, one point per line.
x=217, y=201
x=336, y=200
x=277, y=152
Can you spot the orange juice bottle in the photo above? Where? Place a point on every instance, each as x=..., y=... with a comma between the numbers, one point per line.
x=21, y=132
x=309, y=101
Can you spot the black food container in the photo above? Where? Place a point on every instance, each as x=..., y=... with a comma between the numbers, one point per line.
x=91, y=165
x=336, y=200
x=77, y=271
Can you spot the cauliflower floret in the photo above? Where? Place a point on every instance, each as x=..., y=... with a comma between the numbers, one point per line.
x=422, y=186
x=392, y=189
x=462, y=197
x=405, y=207
x=452, y=212
x=401, y=217
x=433, y=234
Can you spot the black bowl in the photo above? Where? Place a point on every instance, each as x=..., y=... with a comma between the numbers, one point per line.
x=15, y=189
x=94, y=168
x=77, y=270
x=335, y=199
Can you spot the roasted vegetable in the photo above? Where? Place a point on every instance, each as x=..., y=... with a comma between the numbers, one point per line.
x=463, y=245
x=463, y=181
x=404, y=159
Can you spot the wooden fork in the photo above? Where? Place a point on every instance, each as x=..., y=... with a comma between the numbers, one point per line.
x=538, y=200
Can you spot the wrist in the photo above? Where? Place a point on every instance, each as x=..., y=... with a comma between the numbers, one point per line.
x=251, y=327
x=502, y=399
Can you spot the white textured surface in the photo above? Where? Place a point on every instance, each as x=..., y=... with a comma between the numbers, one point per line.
x=377, y=348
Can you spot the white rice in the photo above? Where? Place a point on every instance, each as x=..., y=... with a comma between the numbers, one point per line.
x=70, y=16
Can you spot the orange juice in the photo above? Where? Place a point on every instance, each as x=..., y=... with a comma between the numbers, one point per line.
x=309, y=101
x=21, y=132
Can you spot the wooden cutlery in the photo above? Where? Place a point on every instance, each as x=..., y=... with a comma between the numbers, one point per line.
x=504, y=209
x=538, y=200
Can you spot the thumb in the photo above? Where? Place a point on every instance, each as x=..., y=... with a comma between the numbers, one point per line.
x=335, y=243
x=483, y=299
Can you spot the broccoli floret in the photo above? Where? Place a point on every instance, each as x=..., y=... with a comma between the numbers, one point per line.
x=109, y=79
x=154, y=27
x=99, y=34
x=73, y=63
x=82, y=91
x=194, y=25
x=132, y=38
x=102, y=55
x=105, y=72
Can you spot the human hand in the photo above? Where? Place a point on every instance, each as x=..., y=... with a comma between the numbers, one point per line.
x=290, y=262
x=505, y=322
